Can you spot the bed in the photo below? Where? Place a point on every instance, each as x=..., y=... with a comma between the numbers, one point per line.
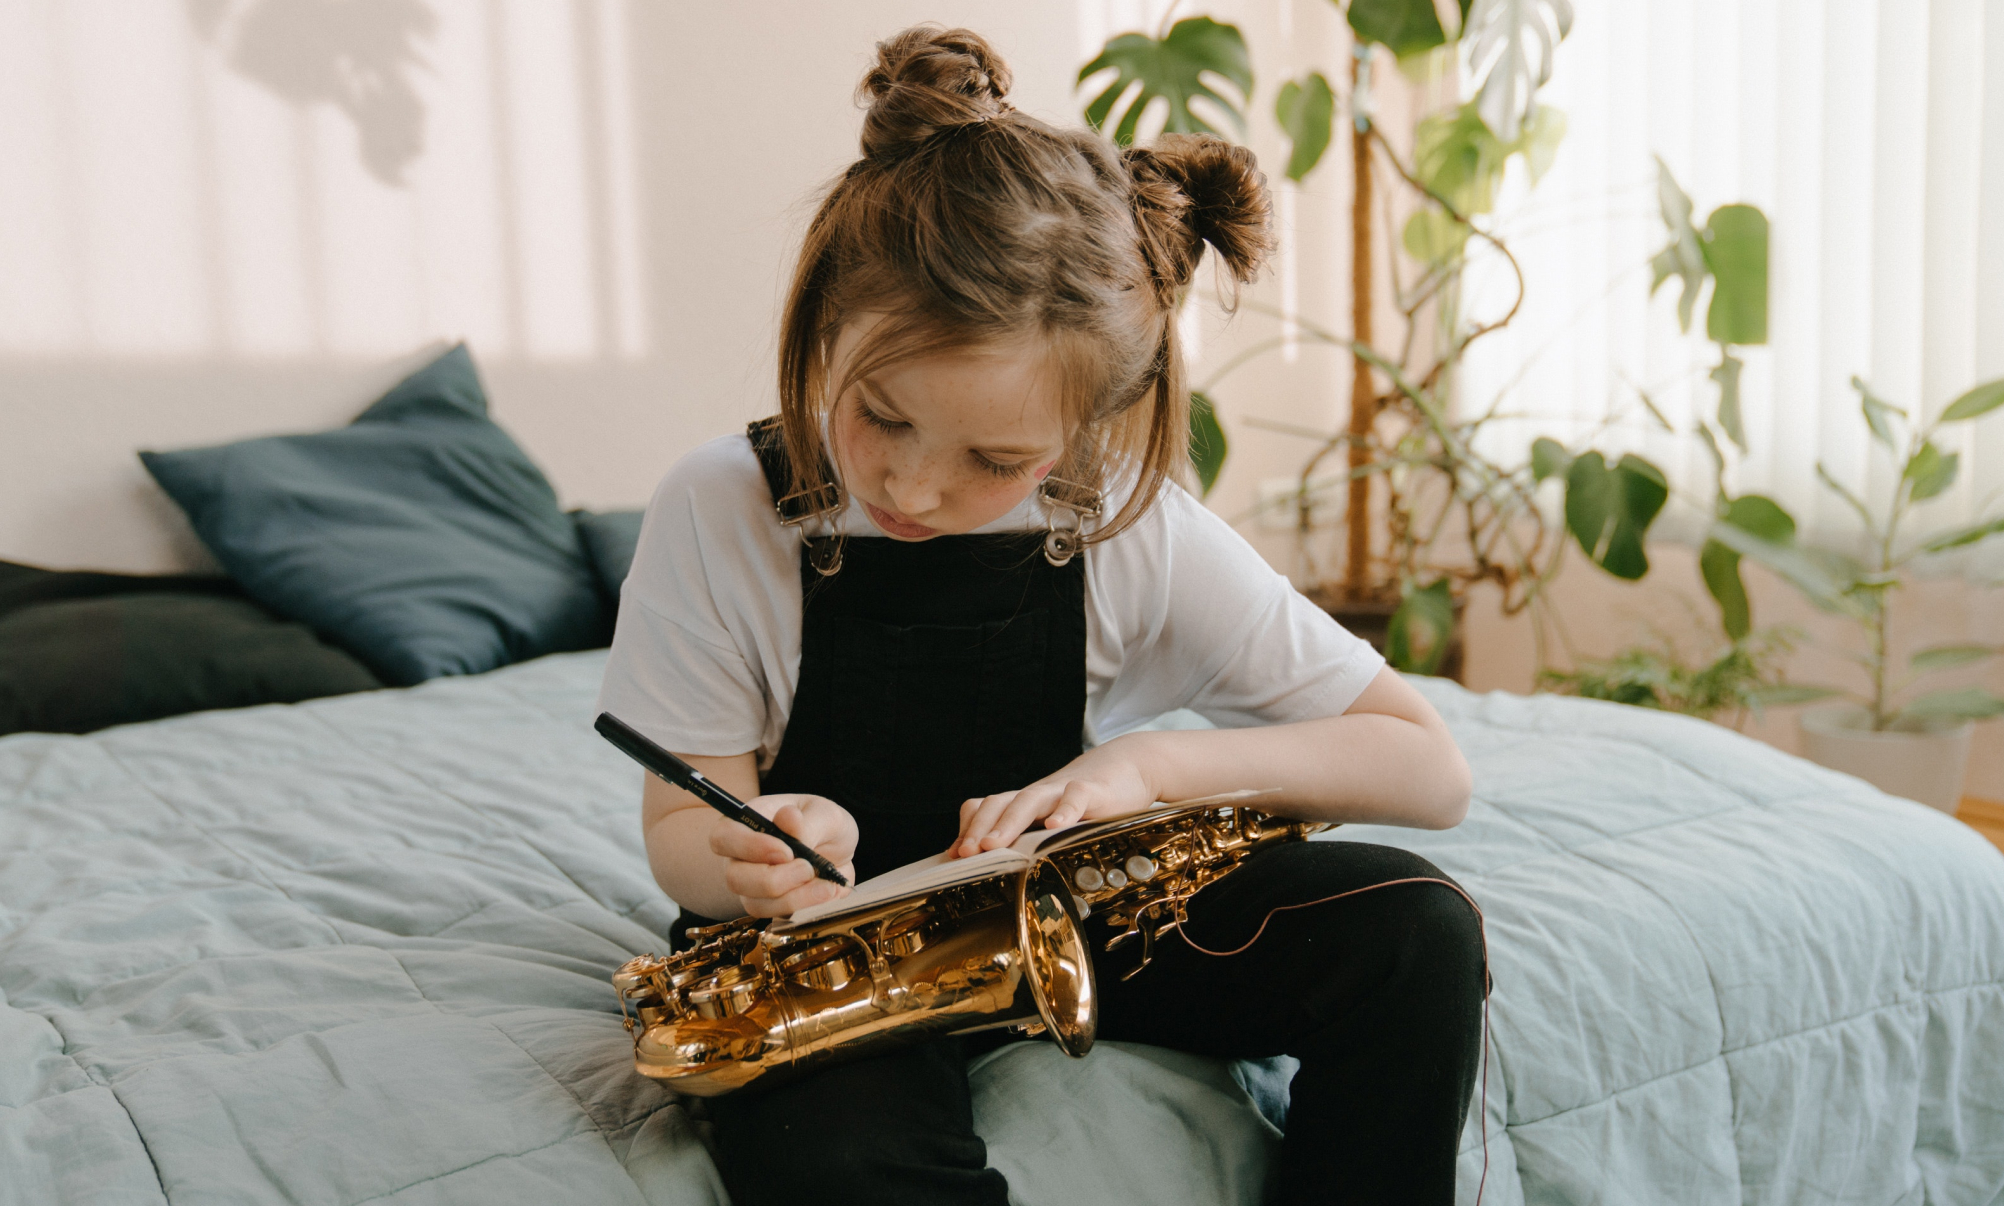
x=356, y=950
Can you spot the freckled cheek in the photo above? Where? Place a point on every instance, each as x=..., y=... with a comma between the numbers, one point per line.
x=859, y=452
x=999, y=496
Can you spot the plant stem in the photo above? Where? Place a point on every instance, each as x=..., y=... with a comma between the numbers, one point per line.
x=1876, y=632
x=1363, y=393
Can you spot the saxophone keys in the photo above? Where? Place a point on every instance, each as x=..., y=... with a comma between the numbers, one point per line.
x=731, y=991
x=906, y=933
x=1147, y=952
x=825, y=966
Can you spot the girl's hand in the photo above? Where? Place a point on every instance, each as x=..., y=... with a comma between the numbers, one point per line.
x=1106, y=781
x=770, y=881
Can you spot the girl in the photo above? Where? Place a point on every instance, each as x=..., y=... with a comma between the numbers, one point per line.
x=912, y=613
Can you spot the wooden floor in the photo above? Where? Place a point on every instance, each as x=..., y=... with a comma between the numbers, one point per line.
x=1985, y=817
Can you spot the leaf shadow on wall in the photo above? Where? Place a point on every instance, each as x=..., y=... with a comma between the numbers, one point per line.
x=357, y=55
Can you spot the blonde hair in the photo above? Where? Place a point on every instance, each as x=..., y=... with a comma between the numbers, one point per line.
x=966, y=222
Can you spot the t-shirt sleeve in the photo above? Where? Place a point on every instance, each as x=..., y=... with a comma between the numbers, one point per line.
x=677, y=672
x=1225, y=635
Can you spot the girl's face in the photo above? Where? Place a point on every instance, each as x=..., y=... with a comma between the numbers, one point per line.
x=943, y=444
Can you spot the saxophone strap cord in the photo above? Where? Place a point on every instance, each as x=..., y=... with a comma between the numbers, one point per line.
x=1482, y=928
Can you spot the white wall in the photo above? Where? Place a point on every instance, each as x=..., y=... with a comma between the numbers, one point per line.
x=225, y=218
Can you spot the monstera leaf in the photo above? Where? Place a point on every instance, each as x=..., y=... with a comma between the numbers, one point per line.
x=1731, y=250
x=1407, y=27
x=1307, y=112
x=1684, y=258
x=1719, y=564
x=1173, y=69
x=1609, y=509
x=1421, y=630
x=1460, y=159
x=1207, y=441
x=1735, y=247
x=1511, y=43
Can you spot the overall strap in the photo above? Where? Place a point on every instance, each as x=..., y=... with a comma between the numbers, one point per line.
x=769, y=442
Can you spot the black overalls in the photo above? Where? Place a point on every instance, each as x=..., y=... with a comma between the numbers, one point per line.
x=937, y=671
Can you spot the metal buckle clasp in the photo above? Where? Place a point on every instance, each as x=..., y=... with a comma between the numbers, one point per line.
x=1061, y=544
x=803, y=506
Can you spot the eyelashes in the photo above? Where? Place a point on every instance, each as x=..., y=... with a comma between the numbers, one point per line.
x=998, y=470
x=872, y=419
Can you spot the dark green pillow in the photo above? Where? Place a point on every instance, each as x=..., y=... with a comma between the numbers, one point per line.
x=609, y=539
x=75, y=665
x=420, y=537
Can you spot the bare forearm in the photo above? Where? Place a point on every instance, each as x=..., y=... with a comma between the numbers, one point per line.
x=678, y=852
x=676, y=828
x=1388, y=760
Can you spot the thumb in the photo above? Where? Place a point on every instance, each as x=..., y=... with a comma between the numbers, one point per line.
x=790, y=818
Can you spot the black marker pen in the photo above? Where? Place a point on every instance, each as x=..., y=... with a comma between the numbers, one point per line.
x=672, y=769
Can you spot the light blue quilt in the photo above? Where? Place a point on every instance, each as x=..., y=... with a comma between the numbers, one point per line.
x=357, y=951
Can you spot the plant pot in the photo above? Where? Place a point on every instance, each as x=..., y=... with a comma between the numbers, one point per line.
x=1370, y=617
x=1921, y=760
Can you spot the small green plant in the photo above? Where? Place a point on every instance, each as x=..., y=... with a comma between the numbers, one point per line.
x=1861, y=589
x=1741, y=678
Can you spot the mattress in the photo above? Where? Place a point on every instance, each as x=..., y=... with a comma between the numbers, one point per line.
x=356, y=950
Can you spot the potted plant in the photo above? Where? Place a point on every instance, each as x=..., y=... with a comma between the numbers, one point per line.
x=1910, y=745
x=1743, y=672
x=1454, y=516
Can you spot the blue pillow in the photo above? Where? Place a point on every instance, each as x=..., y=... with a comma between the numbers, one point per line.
x=609, y=539
x=419, y=537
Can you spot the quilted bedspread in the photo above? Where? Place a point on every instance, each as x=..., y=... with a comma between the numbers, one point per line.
x=357, y=951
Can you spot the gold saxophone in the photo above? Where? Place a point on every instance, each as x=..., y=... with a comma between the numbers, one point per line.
x=751, y=1000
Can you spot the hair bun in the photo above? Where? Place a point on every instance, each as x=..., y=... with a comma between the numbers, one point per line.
x=927, y=79
x=1193, y=189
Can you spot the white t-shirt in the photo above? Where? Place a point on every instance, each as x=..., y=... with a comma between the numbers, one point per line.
x=1180, y=613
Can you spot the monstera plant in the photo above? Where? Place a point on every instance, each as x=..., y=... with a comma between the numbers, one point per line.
x=1426, y=512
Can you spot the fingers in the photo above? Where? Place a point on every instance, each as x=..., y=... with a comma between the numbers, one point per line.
x=779, y=891
x=763, y=871
x=995, y=821
x=821, y=823
x=1072, y=806
x=741, y=844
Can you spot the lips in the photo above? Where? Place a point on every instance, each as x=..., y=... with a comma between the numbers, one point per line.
x=895, y=526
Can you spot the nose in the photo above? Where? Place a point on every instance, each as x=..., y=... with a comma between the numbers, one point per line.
x=913, y=486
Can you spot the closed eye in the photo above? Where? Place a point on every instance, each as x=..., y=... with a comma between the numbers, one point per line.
x=999, y=469
x=871, y=417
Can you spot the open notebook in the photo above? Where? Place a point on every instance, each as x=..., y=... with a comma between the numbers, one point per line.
x=928, y=874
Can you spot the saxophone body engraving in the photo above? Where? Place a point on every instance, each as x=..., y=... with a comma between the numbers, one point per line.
x=750, y=1000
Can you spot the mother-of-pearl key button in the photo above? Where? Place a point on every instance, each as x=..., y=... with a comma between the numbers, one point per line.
x=1141, y=867
x=1089, y=879
x=1116, y=878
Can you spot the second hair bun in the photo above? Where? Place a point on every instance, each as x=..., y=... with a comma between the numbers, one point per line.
x=1193, y=189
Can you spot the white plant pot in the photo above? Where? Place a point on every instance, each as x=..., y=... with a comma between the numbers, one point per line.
x=1922, y=760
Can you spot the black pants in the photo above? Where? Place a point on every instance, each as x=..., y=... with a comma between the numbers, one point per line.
x=1379, y=995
